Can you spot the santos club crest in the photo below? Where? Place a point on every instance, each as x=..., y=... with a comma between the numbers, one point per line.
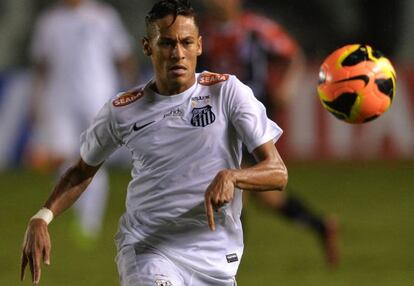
x=202, y=116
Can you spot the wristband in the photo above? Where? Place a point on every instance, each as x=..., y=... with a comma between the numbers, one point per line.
x=44, y=214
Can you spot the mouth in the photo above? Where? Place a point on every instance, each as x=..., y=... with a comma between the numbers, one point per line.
x=178, y=70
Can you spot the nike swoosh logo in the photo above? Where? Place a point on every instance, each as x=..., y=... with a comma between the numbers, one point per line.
x=364, y=78
x=137, y=128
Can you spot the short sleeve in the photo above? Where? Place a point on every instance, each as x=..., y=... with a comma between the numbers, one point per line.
x=100, y=140
x=248, y=115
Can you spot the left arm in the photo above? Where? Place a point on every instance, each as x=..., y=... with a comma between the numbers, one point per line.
x=36, y=242
x=268, y=174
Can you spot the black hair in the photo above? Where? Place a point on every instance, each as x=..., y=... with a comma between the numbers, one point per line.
x=169, y=7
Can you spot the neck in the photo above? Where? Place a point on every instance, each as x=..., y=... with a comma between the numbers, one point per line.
x=171, y=89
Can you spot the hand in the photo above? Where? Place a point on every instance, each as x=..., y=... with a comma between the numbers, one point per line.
x=219, y=192
x=36, y=246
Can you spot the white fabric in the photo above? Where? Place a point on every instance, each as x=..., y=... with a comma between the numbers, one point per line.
x=79, y=47
x=146, y=266
x=174, y=162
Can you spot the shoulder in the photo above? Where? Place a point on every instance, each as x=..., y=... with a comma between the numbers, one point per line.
x=128, y=97
x=224, y=81
x=229, y=88
x=207, y=78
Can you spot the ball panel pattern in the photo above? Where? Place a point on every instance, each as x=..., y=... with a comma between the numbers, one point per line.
x=356, y=83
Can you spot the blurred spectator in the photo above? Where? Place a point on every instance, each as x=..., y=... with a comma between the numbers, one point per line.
x=14, y=23
x=265, y=57
x=78, y=48
x=323, y=25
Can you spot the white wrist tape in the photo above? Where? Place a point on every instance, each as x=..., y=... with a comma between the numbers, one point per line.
x=45, y=214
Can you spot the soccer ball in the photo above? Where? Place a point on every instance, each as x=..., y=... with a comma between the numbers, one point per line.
x=356, y=83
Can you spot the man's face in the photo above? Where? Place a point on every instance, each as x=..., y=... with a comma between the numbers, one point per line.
x=173, y=50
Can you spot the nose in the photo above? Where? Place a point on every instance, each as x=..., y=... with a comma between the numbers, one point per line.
x=178, y=52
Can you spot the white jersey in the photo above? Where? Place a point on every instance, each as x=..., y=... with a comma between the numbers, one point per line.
x=79, y=46
x=178, y=145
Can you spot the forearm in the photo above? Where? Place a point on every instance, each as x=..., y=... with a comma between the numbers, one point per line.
x=69, y=188
x=270, y=173
x=264, y=176
x=36, y=243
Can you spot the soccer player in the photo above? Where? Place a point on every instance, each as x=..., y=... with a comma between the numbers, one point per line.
x=78, y=49
x=185, y=132
x=266, y=58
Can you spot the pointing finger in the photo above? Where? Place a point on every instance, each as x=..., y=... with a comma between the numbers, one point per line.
x=210, y=214
x=37, y=270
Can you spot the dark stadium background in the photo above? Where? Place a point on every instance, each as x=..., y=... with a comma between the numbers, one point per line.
x=365, y=177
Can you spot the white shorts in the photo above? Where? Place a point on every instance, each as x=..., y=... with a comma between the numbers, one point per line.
x=145, y=266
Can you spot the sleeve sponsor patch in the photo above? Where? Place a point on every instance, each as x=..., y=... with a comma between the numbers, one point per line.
x=127, y=98
x=209, y=78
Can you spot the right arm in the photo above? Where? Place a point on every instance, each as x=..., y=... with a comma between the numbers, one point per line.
x=70, y=186
x=36, y=244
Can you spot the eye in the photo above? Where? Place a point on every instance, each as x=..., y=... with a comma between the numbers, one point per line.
x=166, y=43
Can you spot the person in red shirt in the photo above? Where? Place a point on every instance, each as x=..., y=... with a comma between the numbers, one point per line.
x=265, y=57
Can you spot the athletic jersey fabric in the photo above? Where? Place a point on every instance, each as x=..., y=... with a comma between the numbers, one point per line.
x=178, y=144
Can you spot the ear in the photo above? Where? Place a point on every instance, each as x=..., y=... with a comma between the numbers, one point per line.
x=200, y=46
x=146, y=47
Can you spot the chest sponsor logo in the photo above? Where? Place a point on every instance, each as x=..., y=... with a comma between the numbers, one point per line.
x=127, y=98
x=232, y=258
x=202, y=116
x=174, y=113
x=208, y=78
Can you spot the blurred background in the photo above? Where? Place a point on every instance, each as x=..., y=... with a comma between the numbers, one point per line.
x=361, y=173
